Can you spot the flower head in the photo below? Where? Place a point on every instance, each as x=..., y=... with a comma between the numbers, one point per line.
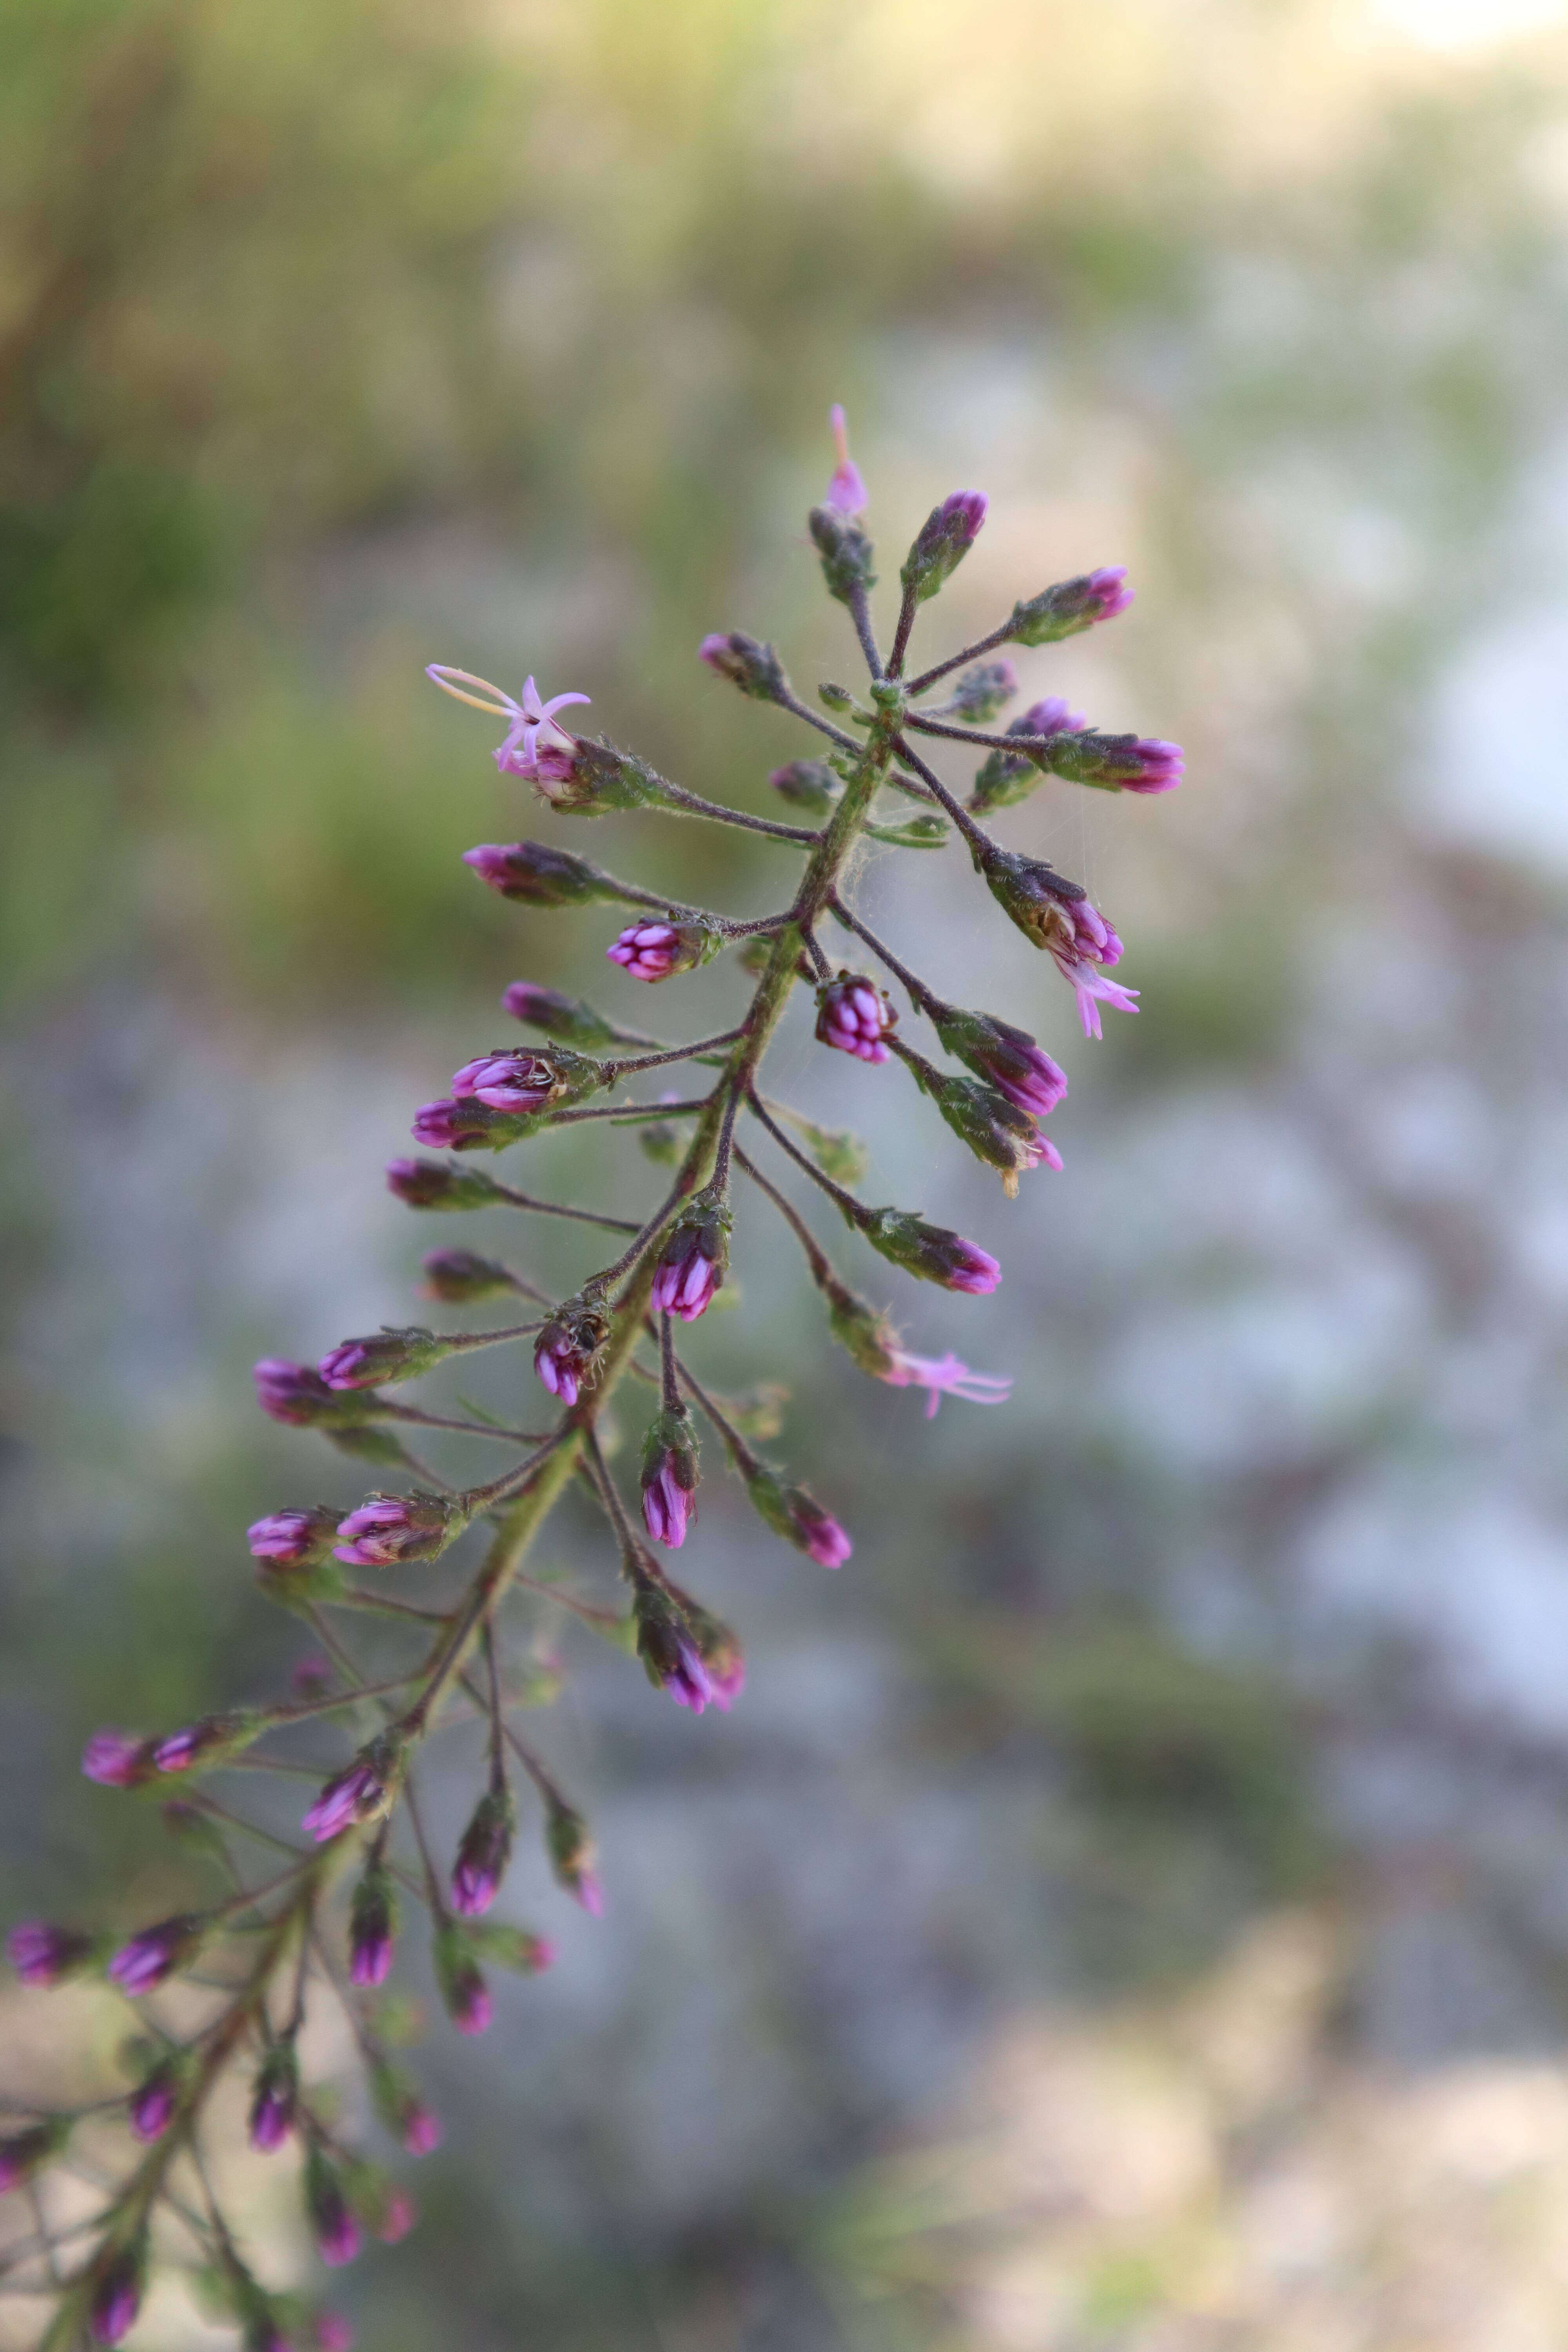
x=568, y=1351
x=389, y=1529
x=484, y=1852
x=668, y=1646
x=537, y=747
x=670, y=1477
x=154, y=1953
x=519, y=1080
x=274, y=2098
x=933, y=1253
x=293, y=1539
x=336, y=2231
x=1006, y=1057
x=1004, y=778
x=1117, y=763
x=656, y=950
x=43, y=1954
x=116, y=2293
x=435, y=1184
x=942, y=1376
x=692, y=1262
x=537, y=875
x=855, y=1015
x=372, y=1927
x=359, y=1793
x=297, y=1395
x=1072, y=605
x=150, y=2108
x=942, y=541
x=117, y=1760
x=746, y=662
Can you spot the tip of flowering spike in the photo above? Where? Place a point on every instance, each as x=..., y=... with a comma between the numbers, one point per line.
x=846, y=492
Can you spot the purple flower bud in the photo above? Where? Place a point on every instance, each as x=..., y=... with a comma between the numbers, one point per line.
x=520, y=1081
x=421, y=2130
x=458, y=1276
x=397, y=2216
x=1006, y=1057
x=533, y=875
x=451, y=1126
x=847, y=489
x=336, y=2231
x=429, y=1184
x=1127, y=764
x=656, y=950
x=372, y=1927
x=572, y=1855
x=483, y=1856
x=274, y=2098
x=295, y=1394
x=670, y=1476
x=26, y=2152
x=933, y=1253
x=311, y=1676
x=117, y=2294
x=693, y=1261
x=1008, y=777
x=569, y=1350
x=1072, y=605
x=796, y=1516
x=980, y=694
x=360, y=1793
x=668, y=1646
x=45, y=1955
x=382, y=1356
x=942, y=541
x=807, y=784
x=746, y=662
x=293, y=1539
x=186, y=1748
x=387, y=1530
x=116, y=1760
x=151, y=2106
x=155, y=1954
x=463, y=1989
x=855, y=1015
x=942, y=1376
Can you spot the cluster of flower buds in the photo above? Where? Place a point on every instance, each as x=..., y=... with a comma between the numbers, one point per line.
x=363, y=1847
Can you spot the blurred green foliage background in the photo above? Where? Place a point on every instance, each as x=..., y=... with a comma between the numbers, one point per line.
x=338, y=336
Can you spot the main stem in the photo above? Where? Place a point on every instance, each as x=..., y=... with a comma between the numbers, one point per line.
x=526, y=1516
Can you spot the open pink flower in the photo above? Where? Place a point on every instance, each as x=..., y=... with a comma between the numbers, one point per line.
x=537, y=747
x=942, y=1376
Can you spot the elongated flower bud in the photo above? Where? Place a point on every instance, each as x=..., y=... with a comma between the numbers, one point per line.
x=1115, y=763
x=297, y=1395
x=458, y=1276
x=1072, y=605
x=518, y=1081
x=845, y=551
x=43, y=1954
x=483, y=1856
x=363, y=1792
x=1005, y=778
x=468, y=1125
x=212, y=1741
x=942, y=541
x=979, y=695
x=533, y=875
x=809, y=785
x=658, y=950
x=932, y=1252
x=693, y=1261
x=372, y=1927
x=570, y=1349
x=274, y=2098
x=1005, y=1138
x=798, y=1517
x=293, y=1539
x=402, y=2110
x=116, y=1760
x=854, y=1016
x=670, y=1477
x=572, y=1855
x=1006, y=1057
x=119, y=2283
x=724, y=1659
x=336, y=2231
x=26, y=2153
x=595, y=779
x=569, y=1019
x=668, y=1648
x=156, y=1952
x=389, y=1530
x=747, y=662
x=436, y=1184
x=464, y=1992
x=846, y=491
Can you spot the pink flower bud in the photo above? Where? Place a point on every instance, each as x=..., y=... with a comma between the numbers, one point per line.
x=855, y=1015
x=483, y=1856
x=390, y=1529
x=567, y=1352
x=648, y=951
x=45, y=1955
x=153, y=1955
x=448, y=1125
x=117, y=2296
x=116, y=1760
x=152, y=2107
x=357, y=1794
x=292, y=1539
x=274, y=2099
x=520, y=1081
x=846, y=491
x=295, y=1394
x=693, y=1261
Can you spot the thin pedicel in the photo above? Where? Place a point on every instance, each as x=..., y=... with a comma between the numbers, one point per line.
x=325, y=1921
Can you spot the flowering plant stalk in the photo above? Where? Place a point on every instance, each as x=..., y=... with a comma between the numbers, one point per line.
x=225, y=1987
